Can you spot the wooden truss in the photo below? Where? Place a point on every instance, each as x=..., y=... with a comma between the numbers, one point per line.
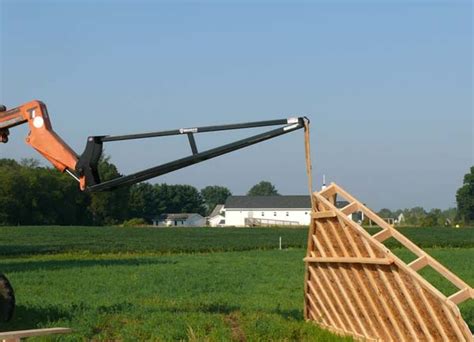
x=17, y=336
x=354, y=285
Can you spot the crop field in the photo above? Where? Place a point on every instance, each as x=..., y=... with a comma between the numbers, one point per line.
x=182, y=284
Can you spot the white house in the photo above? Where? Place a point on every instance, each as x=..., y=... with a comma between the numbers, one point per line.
x=400, y=219
x=217, y=218
x=241, y=211
x=180, y=220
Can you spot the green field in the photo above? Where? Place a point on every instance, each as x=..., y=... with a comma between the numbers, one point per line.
x=181, y=284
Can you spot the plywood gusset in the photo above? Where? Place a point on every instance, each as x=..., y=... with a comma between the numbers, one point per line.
x=354, y=285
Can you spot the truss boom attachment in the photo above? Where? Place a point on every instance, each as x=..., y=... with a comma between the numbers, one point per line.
x=88, y=161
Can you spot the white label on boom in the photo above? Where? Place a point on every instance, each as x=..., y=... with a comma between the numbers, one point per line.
x=188, y=130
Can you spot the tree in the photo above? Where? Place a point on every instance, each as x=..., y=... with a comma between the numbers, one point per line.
x=449, y=216
x=264, y=188
x=143, y=202
x=465, y=198
x=30, y=162
x=4, y=162
x=414, y=216
x=30, y=194
x=179, y=199
x=386, y=213
x=109, y=207
x=432, y=219
x=12, y=193
x=74, y=203
x=214, y=195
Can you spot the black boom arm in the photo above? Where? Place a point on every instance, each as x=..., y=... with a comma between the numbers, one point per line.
x=88, y=161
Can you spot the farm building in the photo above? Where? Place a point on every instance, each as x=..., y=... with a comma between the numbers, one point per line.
x=180, y=220
x=216, y=218
x=241, y=211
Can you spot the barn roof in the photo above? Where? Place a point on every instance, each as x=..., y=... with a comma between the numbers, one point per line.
x=217, y=210
x=268, y=202
x=178, y=216
x=273, y=202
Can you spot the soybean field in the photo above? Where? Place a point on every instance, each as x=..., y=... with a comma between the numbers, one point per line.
x=182, y=283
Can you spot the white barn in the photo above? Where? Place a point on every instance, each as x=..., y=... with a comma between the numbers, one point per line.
x=180, y=220
x=250, y=211
x=241, y=211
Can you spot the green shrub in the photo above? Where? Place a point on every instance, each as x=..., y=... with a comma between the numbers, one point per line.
x=134, y=222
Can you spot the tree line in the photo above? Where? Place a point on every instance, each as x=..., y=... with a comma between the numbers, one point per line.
x=462, y=214
x=31, y=194
x=420, y=217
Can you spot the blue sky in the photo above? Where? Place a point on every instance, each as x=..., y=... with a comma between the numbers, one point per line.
x=387, y=85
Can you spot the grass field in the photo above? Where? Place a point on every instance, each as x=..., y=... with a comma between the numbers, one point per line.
x=181, y=284
x=41, y=240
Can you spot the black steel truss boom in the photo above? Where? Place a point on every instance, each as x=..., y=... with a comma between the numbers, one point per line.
x=198, y=130
x=88, y=162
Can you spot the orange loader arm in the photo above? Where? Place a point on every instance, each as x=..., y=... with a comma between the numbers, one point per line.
x=85, y=167
x=41, y=137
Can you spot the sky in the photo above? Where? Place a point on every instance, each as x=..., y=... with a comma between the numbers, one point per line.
x=387, y=86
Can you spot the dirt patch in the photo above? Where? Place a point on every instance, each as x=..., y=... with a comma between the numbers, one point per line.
x=238, y=334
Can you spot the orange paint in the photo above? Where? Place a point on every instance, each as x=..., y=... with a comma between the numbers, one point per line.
x=42, y=136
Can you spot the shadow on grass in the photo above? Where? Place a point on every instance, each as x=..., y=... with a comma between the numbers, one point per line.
x=68, y=264
x=294, y=314
x=217, y=308
x=117, y=308
x=24, y=250
x=32, y=318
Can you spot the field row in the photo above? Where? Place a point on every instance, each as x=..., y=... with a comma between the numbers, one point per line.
x=48, y=240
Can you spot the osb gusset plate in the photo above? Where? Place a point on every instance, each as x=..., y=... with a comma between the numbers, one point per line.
x=354, y=285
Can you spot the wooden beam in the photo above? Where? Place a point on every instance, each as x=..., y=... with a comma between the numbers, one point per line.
x=323, y=214
x=382, y=235
x=461, y=296
x=434, y=317
x=458, y=282
x=452, y=321
x=19, y=334
x=375, y=218
x=329, y=191
x=397, y=300
x=350, y=260
x=348, y=308
x=350, y=208
x=313, y=306
x=419, y=263
x=328, y=309
x=416, y=312
x=339, y=295
x=394, y=313
x=350, y=281
x=381, y=310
